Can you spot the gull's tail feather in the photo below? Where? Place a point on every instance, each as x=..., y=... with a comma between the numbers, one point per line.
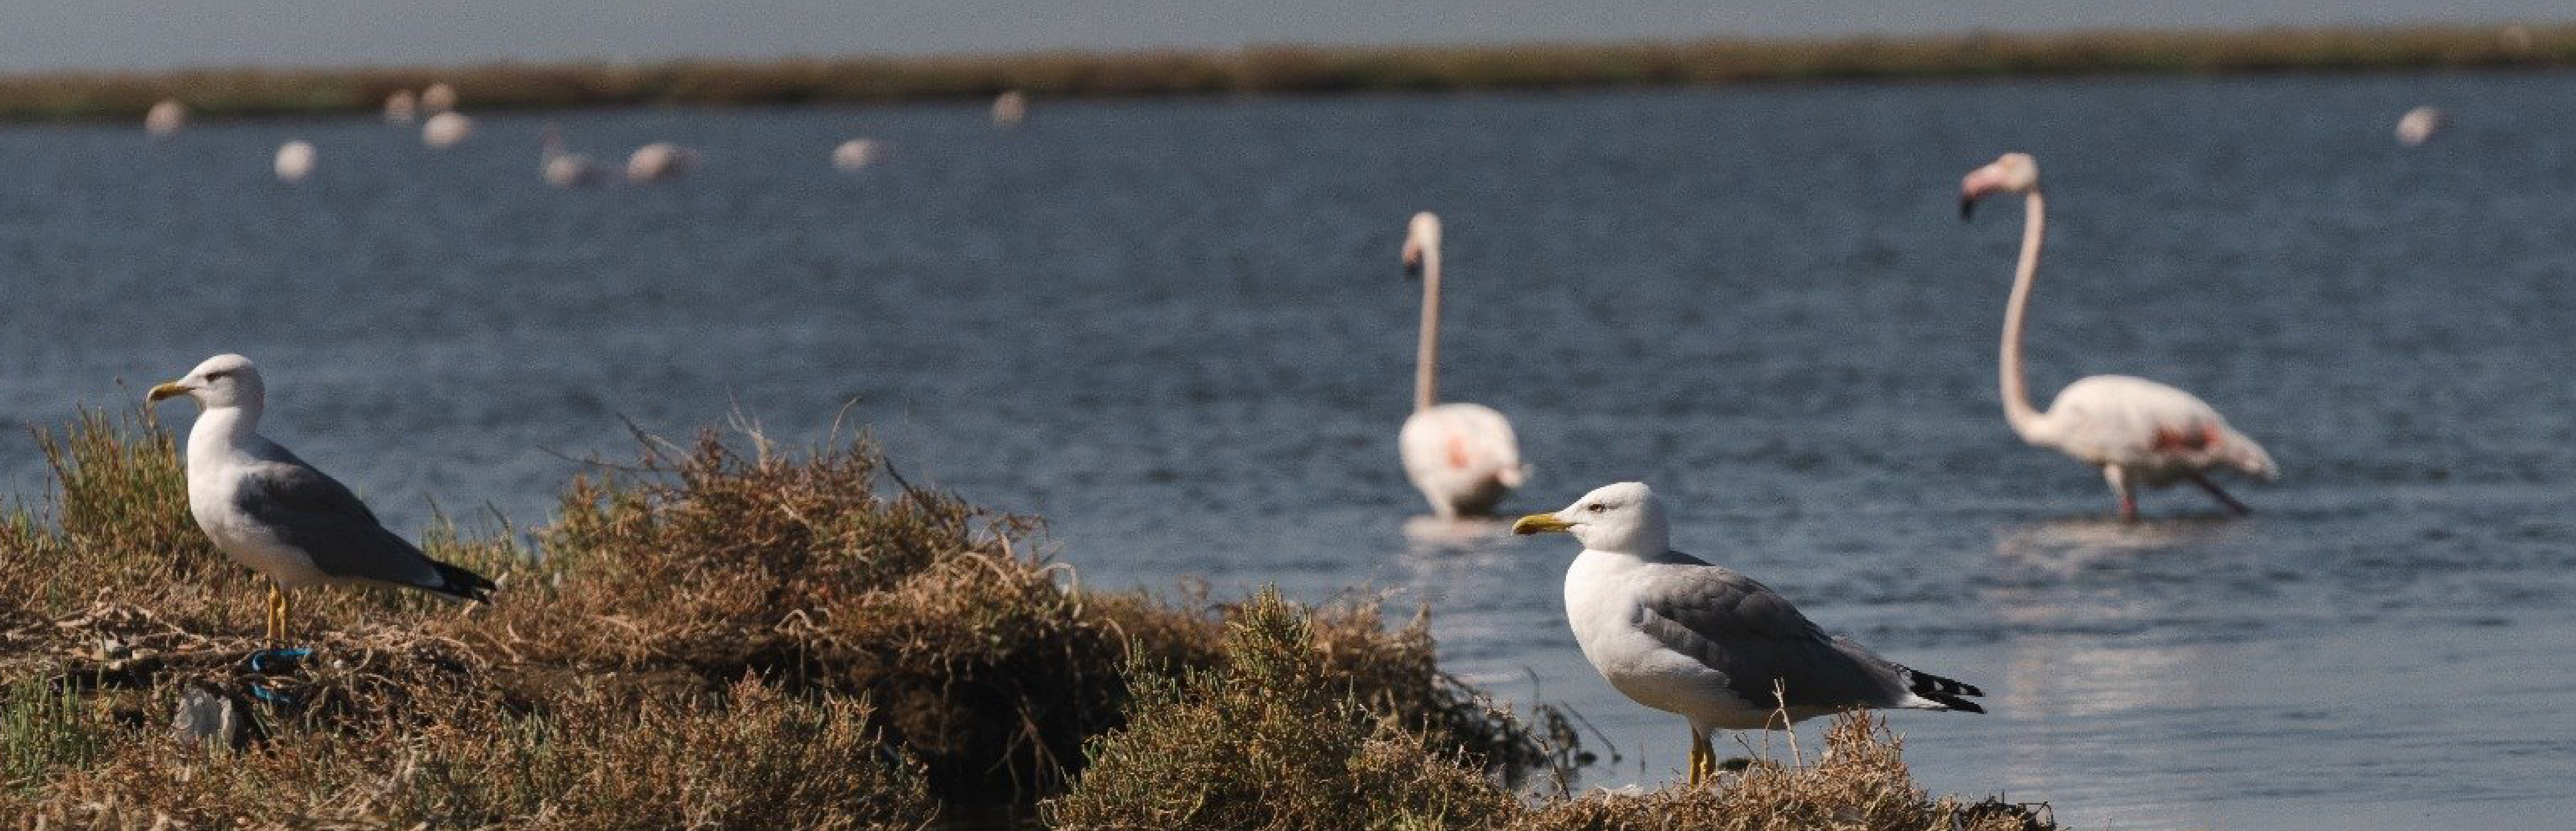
x=457, y=582
x=1947, y=692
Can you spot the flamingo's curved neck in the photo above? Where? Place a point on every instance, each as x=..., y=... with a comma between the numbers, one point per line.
x=1426, y=358
x=2025, y=419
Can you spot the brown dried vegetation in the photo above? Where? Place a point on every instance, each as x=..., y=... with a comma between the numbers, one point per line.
x=707, y=639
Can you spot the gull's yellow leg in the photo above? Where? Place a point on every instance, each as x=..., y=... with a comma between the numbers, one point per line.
x=285, y=608
x=1703, y=759
x=276, y=613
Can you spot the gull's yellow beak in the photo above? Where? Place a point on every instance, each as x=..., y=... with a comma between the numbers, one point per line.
x=1540, y=524
x=170, y=390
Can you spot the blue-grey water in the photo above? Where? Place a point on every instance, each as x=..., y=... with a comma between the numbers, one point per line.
x=1179, y=331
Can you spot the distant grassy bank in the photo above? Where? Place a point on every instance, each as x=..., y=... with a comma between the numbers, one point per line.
x=1293, y=70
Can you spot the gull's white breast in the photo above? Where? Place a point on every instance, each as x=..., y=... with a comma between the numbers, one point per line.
x=212, y=487
x=1600, y=603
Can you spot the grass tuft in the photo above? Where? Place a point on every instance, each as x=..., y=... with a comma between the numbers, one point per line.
x=1275, y=741
x=1860, y=784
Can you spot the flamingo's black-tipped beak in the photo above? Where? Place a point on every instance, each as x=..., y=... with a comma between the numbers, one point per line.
x=1967, y=207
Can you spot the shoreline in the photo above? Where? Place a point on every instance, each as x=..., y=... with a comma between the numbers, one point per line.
x=1294, y=70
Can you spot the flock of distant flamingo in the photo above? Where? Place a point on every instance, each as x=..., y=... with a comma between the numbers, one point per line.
x=556, y=165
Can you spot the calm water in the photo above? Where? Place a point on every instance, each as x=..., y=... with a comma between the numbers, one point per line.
x=1179, y=331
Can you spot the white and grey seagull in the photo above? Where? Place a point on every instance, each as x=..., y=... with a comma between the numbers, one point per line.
x=268, y=510
x=1680, y=635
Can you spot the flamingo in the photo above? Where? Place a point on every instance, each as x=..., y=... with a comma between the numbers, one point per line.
x=165, y=118
x=294, y=160
x=1010, y=108
x=564, y=169
x=438, y=98
x=1462, y=456
x=446, y=129
x=2420, y=125
x=659, y=160
x=401, y=107
x=2139, y=432
x=855, y=154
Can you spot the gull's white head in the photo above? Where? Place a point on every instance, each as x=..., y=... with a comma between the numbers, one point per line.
x=1625, y=518
x=225, y=380
x=2013, y=173
x=1421, y=240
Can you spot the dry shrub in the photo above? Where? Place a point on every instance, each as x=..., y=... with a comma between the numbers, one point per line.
x=711, y=559
x=1273, y=741
x=1861, y=784
x=120, y=506
x=755, y=758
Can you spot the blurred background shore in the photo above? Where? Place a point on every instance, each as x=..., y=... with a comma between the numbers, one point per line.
x=1291, y=70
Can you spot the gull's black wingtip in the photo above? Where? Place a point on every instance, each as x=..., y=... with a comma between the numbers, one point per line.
x=457, y=582
x=1947, y=692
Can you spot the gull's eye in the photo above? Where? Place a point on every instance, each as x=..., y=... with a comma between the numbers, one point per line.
x=1596, y=507
x=214, y=375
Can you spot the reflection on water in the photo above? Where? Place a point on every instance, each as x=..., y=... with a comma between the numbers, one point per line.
x=1432, y=536
x=2060, y=548
x=1167, y=328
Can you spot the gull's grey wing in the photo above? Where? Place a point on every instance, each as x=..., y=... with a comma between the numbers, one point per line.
x=1753, y=636
x=311, y=511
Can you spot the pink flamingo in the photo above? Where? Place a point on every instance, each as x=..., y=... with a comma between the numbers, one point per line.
x=2139, y=432
x=1463, y=457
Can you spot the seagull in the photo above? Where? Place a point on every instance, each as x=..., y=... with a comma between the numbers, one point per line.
x=1677, y=634
x=268, y=510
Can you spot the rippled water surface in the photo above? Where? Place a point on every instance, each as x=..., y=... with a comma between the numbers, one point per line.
x=1179, y=331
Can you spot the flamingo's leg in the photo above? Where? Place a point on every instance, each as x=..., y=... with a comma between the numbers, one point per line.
x=2119, y=480
x=2212, y=487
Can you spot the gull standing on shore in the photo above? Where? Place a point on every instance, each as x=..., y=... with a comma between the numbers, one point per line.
x=1672, y=632
x=268, y=510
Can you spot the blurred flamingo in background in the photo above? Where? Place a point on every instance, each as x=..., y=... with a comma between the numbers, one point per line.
x=1010, y=108
x=563, y=168
x=1462, y=456
x=2139, y=432
x=658, y=161
x=438, y=98
x=401, y=107
x=856, y=154
x=2420, y=125
x=446, y=129
x=165, y=118
x=294, y=160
